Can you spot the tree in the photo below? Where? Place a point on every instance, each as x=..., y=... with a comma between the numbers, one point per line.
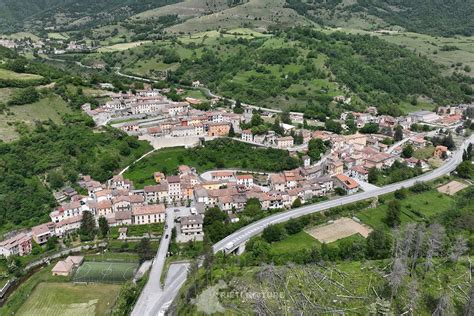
x=296, y=203
x=459, y=248
x=144, y=250
x=316, y=148
x=333, y=126
x=379, y=244
x=370, y=128
x=435, y=243
x=256, y=120
x=393, y=214
x=55, y=180
x=51, y=243
x=294, y=226
x=259, y=248
x=444, y=306
x=252, y=208
x=87, y=230
x=449, y=142
x=398, y=136
x=231, y=131
x=276, y=127
x=400, y=194
x=285, y=117
x=469, y=307
x=103, y=226
x=407, y=151
x=465, y=169
x=24, y=96
x=273, y=233
x=373, y=175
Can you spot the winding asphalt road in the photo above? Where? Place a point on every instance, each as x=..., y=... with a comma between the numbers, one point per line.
x=166, y=297
x=245, y=233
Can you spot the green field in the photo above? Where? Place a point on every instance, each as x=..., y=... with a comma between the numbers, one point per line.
x=55, y=299
x=10, y=75
x=52, y=107
x=219, y=153
x=105, y=272
x=294, y=243
x=416, y=207
x=121, y=47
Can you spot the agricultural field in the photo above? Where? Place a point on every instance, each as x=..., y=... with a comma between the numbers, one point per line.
x=54, y=299
x=105, y=272
x=10, y=75
x=52, y=107
x=58, y=36
x=452, y=187
x=340, y=228
x=121, y=47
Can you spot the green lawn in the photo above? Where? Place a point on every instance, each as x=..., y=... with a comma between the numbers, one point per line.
x=294, y=243
x=10, y=75
x=196, y=94
x=139, y=230
x=424, y=153
x=51, y=299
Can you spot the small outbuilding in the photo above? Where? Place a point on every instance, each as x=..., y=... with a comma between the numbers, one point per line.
x=65, y=267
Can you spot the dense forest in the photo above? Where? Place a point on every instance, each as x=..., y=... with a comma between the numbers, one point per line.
x=434, y=17
x=378, y=72
x=76, y=14
x=58, y=152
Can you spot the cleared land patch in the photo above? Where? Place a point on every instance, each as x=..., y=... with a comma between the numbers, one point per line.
x=11, y=75
x=107, y=272
x=452, y=187
x=340, y=228
x=121, y=47
x=66, y=299
x=52, y=107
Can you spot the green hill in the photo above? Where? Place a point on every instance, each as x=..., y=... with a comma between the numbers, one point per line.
x=434, y=17
x=69, y=14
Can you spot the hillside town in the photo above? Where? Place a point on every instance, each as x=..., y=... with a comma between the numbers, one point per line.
x=343, y=169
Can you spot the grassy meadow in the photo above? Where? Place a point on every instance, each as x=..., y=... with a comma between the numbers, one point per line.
x=51, y=299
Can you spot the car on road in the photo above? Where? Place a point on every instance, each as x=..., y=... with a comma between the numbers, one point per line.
x=166, y=236
x=229, y=246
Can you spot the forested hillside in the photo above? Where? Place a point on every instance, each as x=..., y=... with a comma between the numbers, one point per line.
x=303, y=70
x=69, y=14
x=435, y=17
